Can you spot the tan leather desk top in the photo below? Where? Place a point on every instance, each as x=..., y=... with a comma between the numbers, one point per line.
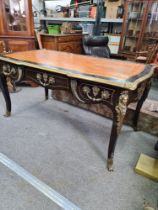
x=107, y=71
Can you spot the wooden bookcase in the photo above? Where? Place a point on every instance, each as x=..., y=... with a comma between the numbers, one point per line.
x=140, y=26
x=16, y=24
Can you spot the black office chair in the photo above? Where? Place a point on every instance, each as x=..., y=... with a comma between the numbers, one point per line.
x=98, y=46
x=156, y=146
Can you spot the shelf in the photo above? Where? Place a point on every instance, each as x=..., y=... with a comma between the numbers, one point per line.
x=128, y=52
x=132, y=37
x=152, y=38
x=103, y=20
x=112, y=34
x=135, y=19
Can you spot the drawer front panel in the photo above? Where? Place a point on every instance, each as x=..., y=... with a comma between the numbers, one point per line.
x=69, y=38
x=46, y=79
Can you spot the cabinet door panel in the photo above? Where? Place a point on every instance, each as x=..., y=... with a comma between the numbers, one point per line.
x=78, y=47
x=20, y=45
x=66, y=47
x=136, y=11
x=16, y=17
x=133, y=26
x=72, y=47
x=150, y=35
x=49, y=45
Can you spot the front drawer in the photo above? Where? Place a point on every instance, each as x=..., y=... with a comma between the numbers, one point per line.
x=69, y=38
x=47, y=38
x=47, y=79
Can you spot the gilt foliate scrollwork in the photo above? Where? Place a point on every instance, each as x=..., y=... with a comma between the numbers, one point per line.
x=87, y=92
x=13, y=72
x=105, y=94
x=95, y=90
x=95, y=93
x=44, y=79
x=74, y=90
x=86, y=89
x=121, y=109
x=8, y=70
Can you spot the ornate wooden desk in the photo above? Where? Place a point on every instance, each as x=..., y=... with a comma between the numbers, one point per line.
x=91, y=80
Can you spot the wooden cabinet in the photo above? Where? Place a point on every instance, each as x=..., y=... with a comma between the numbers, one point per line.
x=140, y=26
x=68, y=42
x=16, y=24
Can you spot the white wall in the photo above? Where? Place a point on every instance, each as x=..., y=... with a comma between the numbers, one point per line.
x=37, y=5
x=52, y=4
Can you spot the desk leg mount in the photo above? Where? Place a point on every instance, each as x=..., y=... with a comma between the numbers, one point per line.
x=89, y=93
x=110, y=164
x=7, y=114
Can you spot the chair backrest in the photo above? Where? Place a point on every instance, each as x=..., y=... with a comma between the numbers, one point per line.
x=96, y=46
x=153, y=50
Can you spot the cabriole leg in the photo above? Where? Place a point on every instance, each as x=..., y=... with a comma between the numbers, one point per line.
x=46, y=93
x=112, y=143
x=5, y=92
x=118, y=117
x=139, y=105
